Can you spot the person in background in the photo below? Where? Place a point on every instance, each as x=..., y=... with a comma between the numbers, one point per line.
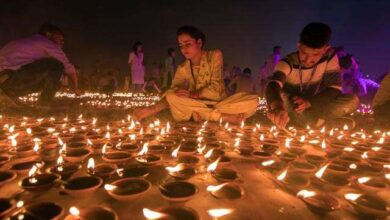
x=108, y=83
x=169, y=68
x=306, y=85
x=355, y=83
x=268, y=68
x=151, y=86
x=135, y=61
x=243, y=83
x=381, y=103
x=35, y=64
x=234, y=72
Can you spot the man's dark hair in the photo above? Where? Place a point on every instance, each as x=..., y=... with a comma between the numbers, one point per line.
x=315, y=35
x=170, y=51
x=135, y=47
x=193, y=32
x=247, y=72
x=276, y=48
x=49, y=28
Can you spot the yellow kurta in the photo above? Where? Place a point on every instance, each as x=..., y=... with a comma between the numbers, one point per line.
x=209, y=82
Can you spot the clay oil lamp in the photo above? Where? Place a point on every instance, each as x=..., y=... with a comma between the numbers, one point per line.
x=99, y=147
x=76, y=145
x=371, y=185
x=187, y=159
x=314, y=159
x=171, y=213
x=287, y=157
x=23, y=167
x=378, y=161
x=188, y=148
x=320, y=203
x=261, y=155
x=296, y=150
x=147, y=159
x=128, y=188
x=368, y=206
x=181, y=171
x=6, y=176
x=4, y=160
x=338, y=169
x=245, y=148
x=179, y=191
x=219, y=213
x=329, y=181
x=229, y=191
x=6, y=205
x=346, y=160
x=303, y=167
x=101, y=170
x=293, y=181
x=213, y=154
x=38, y=183
x=41, y=210
x=94, y=212
x=271, y=165
x=76, y=155
x=128, y=147
x=23, y=151
x=133, y=172
x=49, y=154
x=4, y=147
x=116, y=157
x=82, y=187
x=222, y=174
x=365, y=169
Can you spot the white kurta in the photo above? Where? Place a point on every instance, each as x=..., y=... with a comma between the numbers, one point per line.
x=137, y=68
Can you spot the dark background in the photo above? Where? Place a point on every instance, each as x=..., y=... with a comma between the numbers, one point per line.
x=245, y=30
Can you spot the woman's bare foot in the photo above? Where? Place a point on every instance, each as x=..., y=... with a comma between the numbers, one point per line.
x=197, y=117
x=233, y=118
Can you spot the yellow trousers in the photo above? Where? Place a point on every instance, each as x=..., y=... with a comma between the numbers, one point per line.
x=182, y=108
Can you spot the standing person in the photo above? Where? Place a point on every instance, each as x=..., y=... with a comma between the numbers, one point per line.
x=198, y=90
x=169, y=68
x=306, y=85
x=268, y=68
x=35, y=64
x=136, y=58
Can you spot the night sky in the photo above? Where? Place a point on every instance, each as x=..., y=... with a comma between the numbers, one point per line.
x=244, y=30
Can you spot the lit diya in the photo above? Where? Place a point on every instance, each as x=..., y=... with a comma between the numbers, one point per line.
x=82, y=186
x=261, y=155
x=293, y=180
x=128, y=147
x=128, y=188
x=116, y=157
x=229, y=191
x=41, y=210
x=76, y=155
x=132, y=172
x=4, y=160
x=6, y=176
x=225, y=174
x=319, y=203
x=65, y=171
x=23, y=151
x=6, y=205
x=329, y=181
x=147, y=159
x=92, y=213
x=38, y=182
x=181, y=171
x=302, y=167
x=101, y=170
x=171, y=213
x=179, y=191
x=23, y=167
x=371, y=185
x=316, y=160
x=367, y=205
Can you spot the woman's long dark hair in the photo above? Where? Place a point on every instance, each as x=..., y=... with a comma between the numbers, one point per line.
x=194, y=32
x=135, y=46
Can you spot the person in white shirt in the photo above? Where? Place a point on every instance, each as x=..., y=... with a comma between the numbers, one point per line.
x=34, y=64
x=136, y=59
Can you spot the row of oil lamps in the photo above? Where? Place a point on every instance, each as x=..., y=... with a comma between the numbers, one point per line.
x=315, y=165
